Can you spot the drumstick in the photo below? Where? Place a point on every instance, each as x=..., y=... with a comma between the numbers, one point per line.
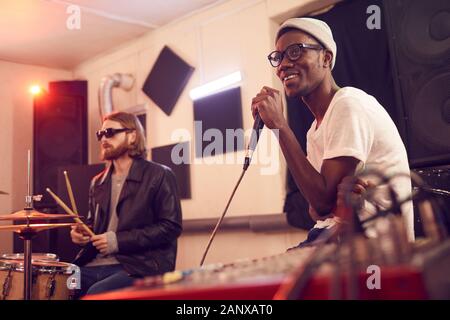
x=70, y=192
x=69, y=211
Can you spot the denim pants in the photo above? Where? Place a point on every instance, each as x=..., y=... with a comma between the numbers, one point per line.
x=100, y=279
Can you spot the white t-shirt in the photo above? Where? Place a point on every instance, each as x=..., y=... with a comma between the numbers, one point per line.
x=356, y=125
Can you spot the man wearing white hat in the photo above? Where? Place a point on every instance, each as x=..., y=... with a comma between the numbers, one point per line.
x=351, y=130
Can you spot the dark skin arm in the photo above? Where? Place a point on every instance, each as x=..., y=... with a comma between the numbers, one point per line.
x=319, y=188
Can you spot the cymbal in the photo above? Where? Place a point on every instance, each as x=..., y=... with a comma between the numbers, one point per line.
x=32, y=215
x=3, y=192
x=19, y=228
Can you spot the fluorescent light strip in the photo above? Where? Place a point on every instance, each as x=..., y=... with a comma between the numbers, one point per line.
x=215, y=86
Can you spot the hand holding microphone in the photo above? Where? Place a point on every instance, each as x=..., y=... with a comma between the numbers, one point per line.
x=267, y=104
x=257, y=127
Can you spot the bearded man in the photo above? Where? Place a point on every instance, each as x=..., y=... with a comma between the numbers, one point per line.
x=134, y=211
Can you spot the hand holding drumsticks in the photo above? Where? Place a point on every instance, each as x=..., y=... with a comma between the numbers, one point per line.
x=79, y=235
x=82, y=225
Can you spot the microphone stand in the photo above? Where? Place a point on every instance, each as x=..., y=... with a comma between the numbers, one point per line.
x=257, y=127
x=221, y=218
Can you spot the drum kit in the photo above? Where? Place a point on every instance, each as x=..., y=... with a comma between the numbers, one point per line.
x=31, y=275
x=50, y=277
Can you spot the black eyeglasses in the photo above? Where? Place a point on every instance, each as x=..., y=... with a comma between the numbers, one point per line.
x=293, y=52
x=110, y=132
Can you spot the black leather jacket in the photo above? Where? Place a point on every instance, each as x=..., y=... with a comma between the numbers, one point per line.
x=149, y=214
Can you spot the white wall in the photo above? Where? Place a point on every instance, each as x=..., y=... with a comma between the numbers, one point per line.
x=16, y=123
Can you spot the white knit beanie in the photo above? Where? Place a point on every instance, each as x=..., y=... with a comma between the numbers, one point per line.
x=315, y=27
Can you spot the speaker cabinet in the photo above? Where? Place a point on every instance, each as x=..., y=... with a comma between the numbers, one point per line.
x=60, y=136
x=59, y=139
x=419, y=38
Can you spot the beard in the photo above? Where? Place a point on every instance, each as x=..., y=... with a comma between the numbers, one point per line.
x=111, y=153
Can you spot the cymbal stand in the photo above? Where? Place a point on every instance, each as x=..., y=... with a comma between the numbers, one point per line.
x=27, y=235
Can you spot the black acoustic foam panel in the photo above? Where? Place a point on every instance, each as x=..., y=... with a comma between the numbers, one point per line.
x=163, y=155
x=219, y=111
x=167, y=79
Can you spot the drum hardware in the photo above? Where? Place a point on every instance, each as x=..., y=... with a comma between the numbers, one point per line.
x=51, y=285
x=27, y=236
x=7, y=284
x=32, y=215
x=38, y=257
x=49, y=280
x=28, y=231
x=25, y=230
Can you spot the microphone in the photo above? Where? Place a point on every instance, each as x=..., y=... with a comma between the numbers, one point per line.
x=257, y=127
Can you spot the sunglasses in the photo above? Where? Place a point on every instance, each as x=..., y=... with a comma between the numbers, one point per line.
x=110, y=132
